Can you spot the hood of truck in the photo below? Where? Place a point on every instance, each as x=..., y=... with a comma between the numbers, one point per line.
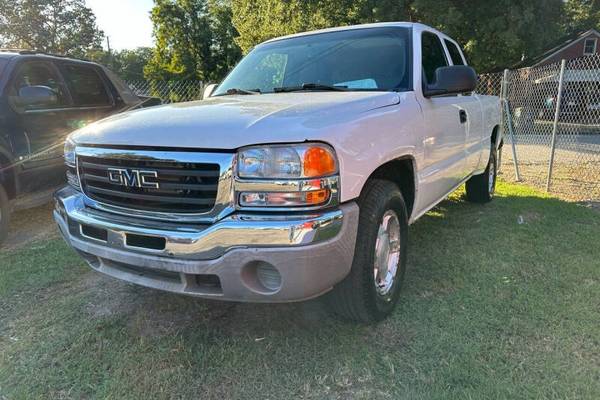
x=231, y=122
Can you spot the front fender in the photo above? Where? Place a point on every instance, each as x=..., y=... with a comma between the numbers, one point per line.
x=376, y=138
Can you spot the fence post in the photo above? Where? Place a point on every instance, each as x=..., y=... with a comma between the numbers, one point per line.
x=508, y=123
x=555, y=125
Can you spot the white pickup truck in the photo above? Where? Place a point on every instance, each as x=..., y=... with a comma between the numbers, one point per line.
x=295, y=177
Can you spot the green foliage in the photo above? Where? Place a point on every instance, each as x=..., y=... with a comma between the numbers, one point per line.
x=54, y=26
x=582, y=14
x=498, y=35
x=194, y=40
x=128, y=64
x=259, y=21
x=495, y=34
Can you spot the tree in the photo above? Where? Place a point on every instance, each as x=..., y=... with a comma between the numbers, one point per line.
x=54, y=26
x=194, y=40
x=495, y=34
x=582, y=15
x=128, y=64
x=499, y=34
x=259, y=21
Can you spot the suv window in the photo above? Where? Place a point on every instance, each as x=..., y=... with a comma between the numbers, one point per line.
x=454, y=53
x=85, y=85
x=433, y=55
x=39, y=73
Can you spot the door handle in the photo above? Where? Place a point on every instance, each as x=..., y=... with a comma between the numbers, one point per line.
x=463, y=116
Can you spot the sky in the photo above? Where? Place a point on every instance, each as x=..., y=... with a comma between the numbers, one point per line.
x=126, y=22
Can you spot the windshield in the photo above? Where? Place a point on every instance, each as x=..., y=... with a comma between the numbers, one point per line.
x=359, y=59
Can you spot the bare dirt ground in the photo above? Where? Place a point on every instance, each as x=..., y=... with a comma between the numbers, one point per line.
x=576, y=171
x=27, y=226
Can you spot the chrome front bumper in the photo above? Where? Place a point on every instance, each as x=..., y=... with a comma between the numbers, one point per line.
x=308, y=253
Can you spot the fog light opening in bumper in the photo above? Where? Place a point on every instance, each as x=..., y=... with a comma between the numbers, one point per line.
x=261, y=277
x=268, y=276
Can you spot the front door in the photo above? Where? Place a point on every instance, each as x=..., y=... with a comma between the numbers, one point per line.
x=38, y=129
x=444, y=164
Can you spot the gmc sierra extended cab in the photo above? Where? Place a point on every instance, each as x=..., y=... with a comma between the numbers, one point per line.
x=296, y=177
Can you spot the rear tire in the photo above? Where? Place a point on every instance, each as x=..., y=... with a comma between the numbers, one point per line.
x=371, y=290
x=481, y=188
x=4, y=214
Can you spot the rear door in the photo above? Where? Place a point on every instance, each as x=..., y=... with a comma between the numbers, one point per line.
x=469, y=102
x=444, y=164
x=42, y=125
x=91, y=94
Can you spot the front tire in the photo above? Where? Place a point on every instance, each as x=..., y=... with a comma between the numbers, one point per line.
x=4, y=214
x=481, y=188
x=371, y=290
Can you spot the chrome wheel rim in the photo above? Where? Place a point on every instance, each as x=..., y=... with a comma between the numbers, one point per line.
x=492, y=177
x=387, y=253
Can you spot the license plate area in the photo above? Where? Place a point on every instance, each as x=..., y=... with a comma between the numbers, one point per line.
x=155, y=243
x=91, y=232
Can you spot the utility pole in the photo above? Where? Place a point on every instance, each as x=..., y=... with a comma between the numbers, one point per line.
x=110, y=58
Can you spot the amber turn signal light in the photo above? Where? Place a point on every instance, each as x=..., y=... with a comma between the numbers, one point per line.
x=318, y=161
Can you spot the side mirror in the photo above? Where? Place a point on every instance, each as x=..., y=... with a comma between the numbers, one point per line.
x=208, y=90
x=37, y=96
x=452, y=80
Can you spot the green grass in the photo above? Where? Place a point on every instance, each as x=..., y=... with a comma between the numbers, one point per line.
x=491, y=308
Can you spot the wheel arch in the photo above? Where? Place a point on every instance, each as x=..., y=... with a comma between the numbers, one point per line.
x=402, y=172
x=496, y=137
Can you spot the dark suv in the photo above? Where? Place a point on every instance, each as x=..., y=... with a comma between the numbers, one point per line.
x=42, y=99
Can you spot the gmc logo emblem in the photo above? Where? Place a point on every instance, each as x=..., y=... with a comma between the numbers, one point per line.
x=132, y=178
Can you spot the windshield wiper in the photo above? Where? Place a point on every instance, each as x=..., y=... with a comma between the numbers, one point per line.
x=240, y=91
x=310, y=86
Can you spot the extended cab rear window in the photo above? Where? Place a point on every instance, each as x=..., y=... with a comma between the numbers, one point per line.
x=86, y=86
x=454, y=53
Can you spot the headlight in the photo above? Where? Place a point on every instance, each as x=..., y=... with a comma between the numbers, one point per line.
x=287, y=176
x=72, y=178
x=287, y=162
x=69, y=153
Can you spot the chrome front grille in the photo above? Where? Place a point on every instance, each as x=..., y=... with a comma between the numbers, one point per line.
x=155, y=182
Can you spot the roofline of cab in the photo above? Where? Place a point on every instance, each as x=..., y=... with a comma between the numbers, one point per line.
x=415, y=25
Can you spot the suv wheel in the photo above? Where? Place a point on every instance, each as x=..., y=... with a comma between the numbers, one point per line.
x=4, y=214
x=481, y=188
x=371, y=290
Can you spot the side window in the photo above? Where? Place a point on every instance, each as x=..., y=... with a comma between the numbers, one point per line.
x=454, y=53
x=85, y=85
x=433, y=55
x=37, y=86
x=589, y=46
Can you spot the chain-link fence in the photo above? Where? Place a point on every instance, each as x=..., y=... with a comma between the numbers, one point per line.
x=169, y=91
x=552, y=125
